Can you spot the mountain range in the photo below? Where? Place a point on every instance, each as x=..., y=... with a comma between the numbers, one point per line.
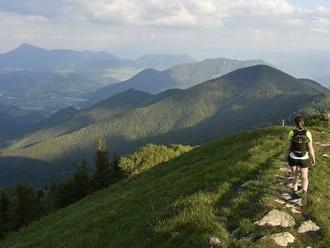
x=49, y=80
x=31, y=58
x=245, y=98
x=180, y=76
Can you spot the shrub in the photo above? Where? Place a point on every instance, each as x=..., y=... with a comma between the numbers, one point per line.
x=149, y=156
x=317, y=120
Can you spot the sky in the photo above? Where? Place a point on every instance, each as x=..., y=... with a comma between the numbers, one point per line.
x=130, y=28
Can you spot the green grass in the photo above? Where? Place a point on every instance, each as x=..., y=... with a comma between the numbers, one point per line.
x=178, y=203
x=320, y=189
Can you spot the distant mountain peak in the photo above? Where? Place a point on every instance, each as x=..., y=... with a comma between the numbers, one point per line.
x=148, y=70
x=132, y=91
x=25, y=46
x=256, y=69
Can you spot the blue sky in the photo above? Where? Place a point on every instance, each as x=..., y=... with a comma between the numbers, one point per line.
x=129, y=28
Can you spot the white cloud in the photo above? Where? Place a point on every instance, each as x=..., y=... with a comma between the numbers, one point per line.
x=191, y=26
x=312, y=19
x=323, y=10
x=263, y=7
x=194, y=13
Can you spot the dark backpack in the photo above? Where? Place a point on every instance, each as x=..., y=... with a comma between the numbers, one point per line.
x=299, y=142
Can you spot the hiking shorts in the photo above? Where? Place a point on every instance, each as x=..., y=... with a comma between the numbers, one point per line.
x=303, y=163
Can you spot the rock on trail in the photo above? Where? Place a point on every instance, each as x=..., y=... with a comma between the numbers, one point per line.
x=277, y=218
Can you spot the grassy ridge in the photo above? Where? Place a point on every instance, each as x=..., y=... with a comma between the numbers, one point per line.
x=173, y=204
x=181, y=203
x=320, y=188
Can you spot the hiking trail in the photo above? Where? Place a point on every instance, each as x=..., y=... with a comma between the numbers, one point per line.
x=287, y=221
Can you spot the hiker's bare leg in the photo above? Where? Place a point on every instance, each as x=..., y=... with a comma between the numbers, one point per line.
x=294, y=172
x=304, y=176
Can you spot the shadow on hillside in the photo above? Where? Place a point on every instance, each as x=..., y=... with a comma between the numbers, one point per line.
x=14, y=169
x=263, y=113
x=209, y=129
x=18, y=169
x=237, y=120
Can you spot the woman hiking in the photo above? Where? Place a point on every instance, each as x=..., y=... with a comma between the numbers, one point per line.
x=300, y=155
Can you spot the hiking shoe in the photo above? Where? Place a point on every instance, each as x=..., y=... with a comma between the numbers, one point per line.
x=294, y=195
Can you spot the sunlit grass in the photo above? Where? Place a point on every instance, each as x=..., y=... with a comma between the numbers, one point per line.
x=183, y=202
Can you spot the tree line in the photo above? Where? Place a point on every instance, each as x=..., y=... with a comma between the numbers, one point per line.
x=23, y=203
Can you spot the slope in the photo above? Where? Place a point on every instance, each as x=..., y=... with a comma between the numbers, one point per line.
x=318, y=106
x=325, y=80
x=15, y=122
x=310, y=64
x=183, y=202
x=69, y=120
x=180, y=76
x=246, y=98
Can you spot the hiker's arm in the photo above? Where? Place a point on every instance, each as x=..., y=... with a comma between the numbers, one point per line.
x=289, y=146
x=288, y=151
x=311, y=152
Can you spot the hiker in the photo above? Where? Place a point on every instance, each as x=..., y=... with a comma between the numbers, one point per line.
x=300, y=155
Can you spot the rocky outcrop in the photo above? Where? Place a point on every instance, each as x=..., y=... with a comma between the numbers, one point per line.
x=308, y=226
x=281, y=239
x=277, y=218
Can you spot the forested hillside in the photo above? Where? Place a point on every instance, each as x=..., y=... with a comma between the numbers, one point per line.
x=243, y=99
x=181, y=76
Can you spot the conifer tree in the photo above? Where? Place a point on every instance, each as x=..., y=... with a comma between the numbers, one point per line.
x=64, y=195
x=101, y=178
x=81, y=181
x=47, y=202
x=27, y=204
x=4, y=210
x=4, y=205
x=116, y=170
